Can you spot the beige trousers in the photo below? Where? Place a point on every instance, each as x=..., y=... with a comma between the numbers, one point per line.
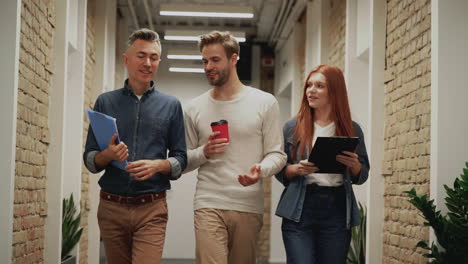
x=133, y=233
x=226, y=237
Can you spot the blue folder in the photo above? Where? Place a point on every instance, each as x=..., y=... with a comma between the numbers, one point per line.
x=104, y=127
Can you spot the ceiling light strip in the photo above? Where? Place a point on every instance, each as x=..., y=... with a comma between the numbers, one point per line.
x=179, y=69
x=185, y=38
x=193, y=38
x=206, y=14
x=184, y=57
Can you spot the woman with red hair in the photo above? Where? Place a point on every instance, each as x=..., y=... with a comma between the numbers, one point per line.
x=319, y=209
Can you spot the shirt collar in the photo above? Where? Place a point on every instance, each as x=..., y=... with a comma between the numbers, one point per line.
x=128, y=91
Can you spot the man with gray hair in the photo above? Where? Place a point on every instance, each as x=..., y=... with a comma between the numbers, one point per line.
x=132, y=213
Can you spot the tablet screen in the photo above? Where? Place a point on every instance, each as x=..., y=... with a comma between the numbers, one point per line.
x=325, y=149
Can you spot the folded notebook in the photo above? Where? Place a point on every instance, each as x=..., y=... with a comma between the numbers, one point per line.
x=104, y=127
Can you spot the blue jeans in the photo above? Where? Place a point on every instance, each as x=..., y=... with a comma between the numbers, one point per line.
x=321, y=236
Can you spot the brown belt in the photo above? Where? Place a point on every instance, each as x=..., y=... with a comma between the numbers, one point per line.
x=140, y=199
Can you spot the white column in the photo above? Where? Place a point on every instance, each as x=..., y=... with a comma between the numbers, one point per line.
x=111, y=44
x=120, y=48
x=316, y=34
x=74, y=103
x=284, y=67
x=106, y=11
x=364, y=73
x=449, y=93
x=298, y=62
x=57, y=113
x=74, y=100
x=10, y=18
x=375, y=185
x=357, y=76
x=65, y=120
x=256, y=65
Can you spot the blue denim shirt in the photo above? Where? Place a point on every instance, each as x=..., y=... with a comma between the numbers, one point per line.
x=150, y=127
x=292, y=199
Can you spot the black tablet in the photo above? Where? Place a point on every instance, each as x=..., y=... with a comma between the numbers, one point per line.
x=325, y=149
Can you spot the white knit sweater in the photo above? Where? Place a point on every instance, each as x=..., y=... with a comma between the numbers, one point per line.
x=255, y=137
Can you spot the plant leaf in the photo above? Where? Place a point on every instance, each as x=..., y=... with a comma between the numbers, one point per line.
x=71, y=233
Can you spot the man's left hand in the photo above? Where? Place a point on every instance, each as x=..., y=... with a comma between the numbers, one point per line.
x=247, y=180
x=144, y=169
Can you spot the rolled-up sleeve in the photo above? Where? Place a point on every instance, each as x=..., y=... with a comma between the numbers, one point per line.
x=90, y=162
x=177, y=146
x=176, y=169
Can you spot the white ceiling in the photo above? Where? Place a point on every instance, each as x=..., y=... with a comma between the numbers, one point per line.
x=258, y=29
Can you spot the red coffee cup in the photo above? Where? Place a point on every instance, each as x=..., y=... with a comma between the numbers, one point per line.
x=222, y=127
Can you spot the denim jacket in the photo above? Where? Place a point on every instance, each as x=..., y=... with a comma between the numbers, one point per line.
x=152, y=128
x=292, y=199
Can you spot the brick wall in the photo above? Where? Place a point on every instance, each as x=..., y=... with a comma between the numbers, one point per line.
x=336, y=33
x=407, y=126
x=35, y=70
x=88, y=104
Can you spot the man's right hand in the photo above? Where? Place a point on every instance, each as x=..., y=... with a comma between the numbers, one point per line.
x=214, y=146
x=118, y=152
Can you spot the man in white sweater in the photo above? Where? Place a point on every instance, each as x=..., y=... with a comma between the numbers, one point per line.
x=229, y=194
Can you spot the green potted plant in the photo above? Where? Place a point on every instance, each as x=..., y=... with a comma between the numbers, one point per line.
x=71, y=231
x=451, y=229
x=357, y=249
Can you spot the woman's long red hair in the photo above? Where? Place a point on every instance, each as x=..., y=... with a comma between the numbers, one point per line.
x=340, y=112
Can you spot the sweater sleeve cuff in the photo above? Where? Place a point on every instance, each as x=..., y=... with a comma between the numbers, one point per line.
x=201, y=155
x=273, y=164
x=195, y=158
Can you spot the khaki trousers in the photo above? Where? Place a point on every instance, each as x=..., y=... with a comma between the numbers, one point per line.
x=133, y=233
x=226, y=237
